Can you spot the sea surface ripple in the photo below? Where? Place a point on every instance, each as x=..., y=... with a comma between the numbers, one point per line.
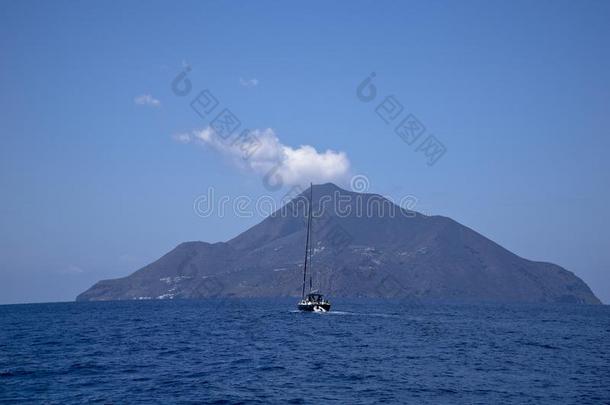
x=263, y=351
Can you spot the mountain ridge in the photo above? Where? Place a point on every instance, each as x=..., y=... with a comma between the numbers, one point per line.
x=393, y=254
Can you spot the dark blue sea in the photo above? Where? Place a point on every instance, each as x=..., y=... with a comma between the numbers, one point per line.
x=258, y=351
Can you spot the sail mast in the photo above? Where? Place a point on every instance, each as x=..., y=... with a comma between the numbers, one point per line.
x=307, y=240
x=312, y=247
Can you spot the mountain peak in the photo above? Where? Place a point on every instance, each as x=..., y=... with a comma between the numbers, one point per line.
x=324, y=189
x=328, y=187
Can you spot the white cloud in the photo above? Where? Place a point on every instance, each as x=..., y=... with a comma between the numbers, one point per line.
x=296, y=166
x=147, y=99
x=182, y=138
x=248, y=82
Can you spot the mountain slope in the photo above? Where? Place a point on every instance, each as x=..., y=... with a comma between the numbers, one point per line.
x=363, y=246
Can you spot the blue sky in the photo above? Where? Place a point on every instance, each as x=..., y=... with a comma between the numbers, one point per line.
x=95, y=186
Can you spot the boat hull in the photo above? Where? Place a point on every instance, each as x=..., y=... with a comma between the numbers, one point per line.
x=311, y=307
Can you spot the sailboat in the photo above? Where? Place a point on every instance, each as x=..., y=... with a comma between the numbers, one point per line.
x=313, y=301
